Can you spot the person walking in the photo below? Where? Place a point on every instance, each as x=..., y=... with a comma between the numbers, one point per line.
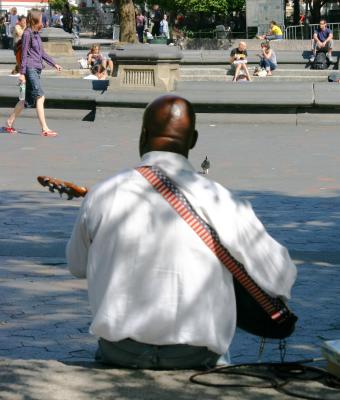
x=67, y=18
x=33, y=56
x=12, y=21
x=164, y=27
x=140, y=24
x=17, y=35
x=156, y=20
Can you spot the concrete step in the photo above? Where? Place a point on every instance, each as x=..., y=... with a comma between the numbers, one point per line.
x=274, y=78
x=218, y=74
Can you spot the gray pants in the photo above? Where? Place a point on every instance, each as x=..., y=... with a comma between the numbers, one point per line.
x=128, y=353
x=329, y=45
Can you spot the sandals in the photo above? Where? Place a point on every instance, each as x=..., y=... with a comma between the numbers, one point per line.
x=10, y=130
x=49, y=133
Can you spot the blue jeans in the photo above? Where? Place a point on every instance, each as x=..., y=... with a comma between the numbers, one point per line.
x=267, y=64
x=274, y=37
x=33, y=87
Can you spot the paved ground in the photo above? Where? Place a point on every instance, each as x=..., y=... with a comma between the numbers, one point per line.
x=290, y=174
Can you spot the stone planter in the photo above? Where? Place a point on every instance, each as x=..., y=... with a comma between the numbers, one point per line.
x=145, y=67
x=57, y=42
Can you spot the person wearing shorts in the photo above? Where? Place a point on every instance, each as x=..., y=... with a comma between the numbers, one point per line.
x=33, y=56
x=322, y=41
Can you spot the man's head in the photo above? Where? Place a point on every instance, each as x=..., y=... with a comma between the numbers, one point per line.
x=242, y=46
x=272, y=24
x=22, y=21
x=323, y=24
x=168, y=125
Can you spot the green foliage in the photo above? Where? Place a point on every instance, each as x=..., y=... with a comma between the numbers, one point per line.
x=200, y=6
x=56, y=5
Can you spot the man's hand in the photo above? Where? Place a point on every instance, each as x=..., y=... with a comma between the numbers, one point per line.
x=58, y=67
x=22, y=78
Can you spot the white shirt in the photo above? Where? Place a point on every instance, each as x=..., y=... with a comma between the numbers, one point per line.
x=165, y=27
x=91, y=77
x=150, y=277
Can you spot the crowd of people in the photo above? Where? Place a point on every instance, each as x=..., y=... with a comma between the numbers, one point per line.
x=156, y=25
x=322, y=47
x=66, y=19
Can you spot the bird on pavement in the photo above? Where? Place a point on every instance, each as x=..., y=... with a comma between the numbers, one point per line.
x=205, y=166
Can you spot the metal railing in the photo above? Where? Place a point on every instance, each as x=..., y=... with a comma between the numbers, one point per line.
x=305, y=32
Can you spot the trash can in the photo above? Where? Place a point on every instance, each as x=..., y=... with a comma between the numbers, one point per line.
x=159, y=40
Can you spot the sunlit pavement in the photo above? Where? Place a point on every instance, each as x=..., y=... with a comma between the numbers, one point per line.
x=290, y=174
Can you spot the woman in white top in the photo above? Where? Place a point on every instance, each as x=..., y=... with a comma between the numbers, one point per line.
x=268, y=59
x=165, y=27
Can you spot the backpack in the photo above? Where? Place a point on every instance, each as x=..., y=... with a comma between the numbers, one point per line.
x=334, y=77
x=18, y=49
x=320, y=61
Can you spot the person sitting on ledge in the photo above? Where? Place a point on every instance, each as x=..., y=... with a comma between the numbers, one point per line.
x=322, y=41
x=98, y=72
x=268, y=60
x=238, y=61
x=274, y=33
x=159, y=297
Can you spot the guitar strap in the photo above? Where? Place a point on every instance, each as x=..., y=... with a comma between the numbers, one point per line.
x=274, y=307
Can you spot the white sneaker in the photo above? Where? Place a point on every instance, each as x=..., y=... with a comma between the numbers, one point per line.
x=312, y=58
x=332, y=59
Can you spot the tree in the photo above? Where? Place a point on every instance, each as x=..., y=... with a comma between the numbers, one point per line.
x=201, y=6
x=127, y=21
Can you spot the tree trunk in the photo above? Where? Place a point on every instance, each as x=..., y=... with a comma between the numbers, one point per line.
x=127, y=21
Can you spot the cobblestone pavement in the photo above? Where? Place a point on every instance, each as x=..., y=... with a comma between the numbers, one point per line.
x=289, y=173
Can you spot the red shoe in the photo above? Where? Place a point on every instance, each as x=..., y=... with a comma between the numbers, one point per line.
x=10, y=130
x=49, y=133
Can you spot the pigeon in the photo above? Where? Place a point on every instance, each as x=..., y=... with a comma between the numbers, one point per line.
x=205, y=166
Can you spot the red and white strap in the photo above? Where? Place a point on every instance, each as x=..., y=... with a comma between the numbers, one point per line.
x=274, y=307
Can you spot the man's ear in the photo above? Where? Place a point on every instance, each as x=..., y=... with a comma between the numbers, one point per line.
x=143, y=139
x=194, y=139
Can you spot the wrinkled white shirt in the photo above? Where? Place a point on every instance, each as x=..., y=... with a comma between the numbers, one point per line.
x=150, y=277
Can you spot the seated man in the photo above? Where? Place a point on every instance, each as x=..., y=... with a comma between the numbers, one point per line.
x=159, y=296
x=238, y=61
x=322, y=41
x=274, y=33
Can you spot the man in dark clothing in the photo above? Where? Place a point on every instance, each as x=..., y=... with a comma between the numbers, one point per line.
x=156, y=21
x=67, y=19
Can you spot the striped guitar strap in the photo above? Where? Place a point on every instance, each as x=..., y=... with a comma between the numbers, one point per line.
x=274, y=307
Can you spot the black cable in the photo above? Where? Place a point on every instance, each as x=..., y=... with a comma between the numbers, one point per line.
x=287, y=372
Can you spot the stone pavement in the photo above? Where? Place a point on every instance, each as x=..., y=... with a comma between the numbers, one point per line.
x=290, y=174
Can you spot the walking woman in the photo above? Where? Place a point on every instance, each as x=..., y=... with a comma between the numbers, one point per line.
x=33, y=56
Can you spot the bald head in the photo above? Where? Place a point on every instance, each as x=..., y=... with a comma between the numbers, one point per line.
x=168, y=125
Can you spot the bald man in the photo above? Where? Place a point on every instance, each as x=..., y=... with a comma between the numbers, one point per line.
x=159, y=297
x=238, y=61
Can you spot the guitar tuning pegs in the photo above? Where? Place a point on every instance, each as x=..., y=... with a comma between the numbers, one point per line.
x=69, y=192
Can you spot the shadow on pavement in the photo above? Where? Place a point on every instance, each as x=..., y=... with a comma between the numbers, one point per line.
x=44, y=311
